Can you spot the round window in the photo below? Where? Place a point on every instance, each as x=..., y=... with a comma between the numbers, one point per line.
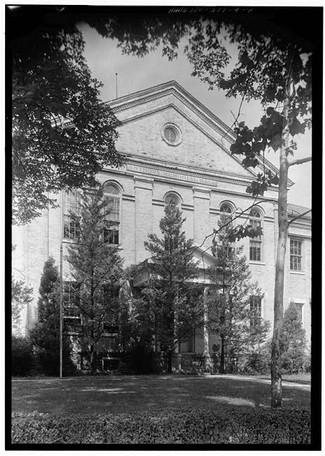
x=171, y=135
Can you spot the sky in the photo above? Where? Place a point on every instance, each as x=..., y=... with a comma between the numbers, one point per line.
x=105, y=59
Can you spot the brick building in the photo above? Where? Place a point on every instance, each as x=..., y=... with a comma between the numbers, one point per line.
x=175, y=146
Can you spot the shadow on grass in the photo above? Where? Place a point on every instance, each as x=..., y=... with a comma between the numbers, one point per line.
x=117, y=394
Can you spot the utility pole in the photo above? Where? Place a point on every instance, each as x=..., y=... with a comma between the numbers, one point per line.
x=116, y=74
x=61, y=312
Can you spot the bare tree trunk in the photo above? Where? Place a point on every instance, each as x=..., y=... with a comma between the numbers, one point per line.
x=92, y=359
x=276, y=378
x=169, y=355
x=222, y=355
x=92, y=347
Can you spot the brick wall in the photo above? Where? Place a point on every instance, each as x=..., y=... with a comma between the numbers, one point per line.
x=213, y=176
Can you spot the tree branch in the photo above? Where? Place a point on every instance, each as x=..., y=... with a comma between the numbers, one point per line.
x=300, y=161
x=236, y=118
x=298, y=216
x=214, y=232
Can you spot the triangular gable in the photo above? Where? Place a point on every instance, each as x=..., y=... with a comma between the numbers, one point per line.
x=203, y=259
x=138, y=106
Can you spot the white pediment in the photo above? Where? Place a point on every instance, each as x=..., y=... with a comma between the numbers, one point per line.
x=205, y=139
x=203, y=259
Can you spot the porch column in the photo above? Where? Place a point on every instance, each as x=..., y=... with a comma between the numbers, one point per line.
x=206, y=351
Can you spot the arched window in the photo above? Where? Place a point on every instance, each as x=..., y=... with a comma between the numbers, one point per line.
x=255, y=244
x=225, y=212
x=172, y=199
x=112, y=197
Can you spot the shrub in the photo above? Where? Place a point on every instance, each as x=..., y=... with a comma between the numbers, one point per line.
x=292, y=341
x=140, y=360
x=256, y=363
x=22, y=359
x=307, y=363
x=233, y=426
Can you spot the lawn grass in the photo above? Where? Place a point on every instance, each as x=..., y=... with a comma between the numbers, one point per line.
x=124, y=394
x=167, y=409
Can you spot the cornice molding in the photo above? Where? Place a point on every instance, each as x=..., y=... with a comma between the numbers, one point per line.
x=173, y=88
x=212, y=181
x=173, y=167
x=167, y=88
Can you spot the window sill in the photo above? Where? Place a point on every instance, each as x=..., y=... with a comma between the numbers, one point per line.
x=69, y=241
x=297, y=272
x=261, y=263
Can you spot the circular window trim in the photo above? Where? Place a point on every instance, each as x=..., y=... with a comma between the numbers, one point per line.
x=177, y=131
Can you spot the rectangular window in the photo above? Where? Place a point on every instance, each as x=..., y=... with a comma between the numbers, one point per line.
x=255, y=250
x=295, y=255
x=71, y=228
x=188, y=345
x=111, y=234
x=71, y=201
x=112, y=208
x=71, y=311
x=255, y=244
x=255, y=310
x=71, y=299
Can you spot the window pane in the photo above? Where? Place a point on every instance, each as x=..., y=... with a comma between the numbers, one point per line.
x=225, y=208
x=255, y=213
x=255, y=251
x=71, y=201
x=71, y=299
x=111, y=235
x=112, y=208
x=170, y=134
x=71, y=229
x=295, y=254
x=172, y=199
x=112, y=189
x=255, y=243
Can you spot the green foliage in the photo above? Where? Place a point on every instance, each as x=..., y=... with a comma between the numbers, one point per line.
x=170, y=426
x=22, y=359
x=231, y=52
x=140, y=359
x=96, y=267
x=170, y=308
x=292, y=341
x=48, y=302
x=21, y=295
x=241, y=331
x=256, y=361
x=62, y=134
x=45, y=335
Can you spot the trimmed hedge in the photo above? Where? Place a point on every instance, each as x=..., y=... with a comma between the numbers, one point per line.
x=258, y=426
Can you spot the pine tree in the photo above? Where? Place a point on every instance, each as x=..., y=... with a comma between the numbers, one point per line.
x=292, y=341
x=171, y=293
x=96, y=268
x=232, y=314
x=45, y=336
x=48, y=304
